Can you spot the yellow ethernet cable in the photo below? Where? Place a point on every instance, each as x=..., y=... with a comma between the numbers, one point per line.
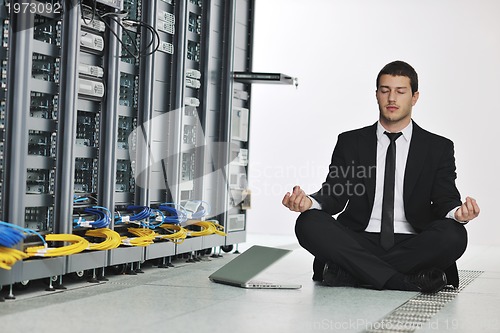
x=145, y=237
x=209, y=227
x=112, y=239
x=78, y=244
x=9, y=256
x=177, y=237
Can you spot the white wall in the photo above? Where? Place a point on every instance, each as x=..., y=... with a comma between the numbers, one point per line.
x=336, y=48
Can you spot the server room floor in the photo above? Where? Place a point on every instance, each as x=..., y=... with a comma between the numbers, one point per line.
x=182, y=299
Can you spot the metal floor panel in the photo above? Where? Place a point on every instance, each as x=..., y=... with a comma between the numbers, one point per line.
x=417, y=311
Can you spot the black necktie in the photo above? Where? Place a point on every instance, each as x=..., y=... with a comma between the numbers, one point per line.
x=387, y=227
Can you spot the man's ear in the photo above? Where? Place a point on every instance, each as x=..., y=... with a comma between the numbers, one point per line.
x=414, y=99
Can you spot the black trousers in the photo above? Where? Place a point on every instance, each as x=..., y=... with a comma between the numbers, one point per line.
x=360, y=253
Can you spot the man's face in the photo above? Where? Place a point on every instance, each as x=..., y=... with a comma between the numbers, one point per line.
x=395, y=99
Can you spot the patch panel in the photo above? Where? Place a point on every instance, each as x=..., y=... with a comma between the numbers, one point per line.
x=193, y=51
x=41, y=143
x=39, y=218
x=39, y=181
x=198, y=3
x=45, y=68
x=129, y=39
x=87, y=129
x=194, y=24
x=133, y=8
x=126, y=126
x=128, y=90
x=43, y=105
x=85, y=175
x=47, y=30
x=189, y=136
x=188, y=166
x=125, y=181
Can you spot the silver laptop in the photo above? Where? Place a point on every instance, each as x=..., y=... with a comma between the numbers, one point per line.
x=241, y=270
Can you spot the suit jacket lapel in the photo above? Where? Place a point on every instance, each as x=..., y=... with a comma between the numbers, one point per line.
x=419, y=147
x=368, y=158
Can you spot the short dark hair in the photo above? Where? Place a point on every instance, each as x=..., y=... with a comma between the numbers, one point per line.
x=400, y=68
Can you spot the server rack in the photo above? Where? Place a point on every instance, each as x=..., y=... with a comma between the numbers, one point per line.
x=111, y=123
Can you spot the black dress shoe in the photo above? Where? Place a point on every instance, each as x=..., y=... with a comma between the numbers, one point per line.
x=318, y=269
x=428, y=281
x=336, y=276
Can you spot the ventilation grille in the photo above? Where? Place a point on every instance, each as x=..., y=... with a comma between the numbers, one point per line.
x=416, y=312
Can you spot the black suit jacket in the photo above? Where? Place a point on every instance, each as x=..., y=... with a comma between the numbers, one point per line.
x=429, y=190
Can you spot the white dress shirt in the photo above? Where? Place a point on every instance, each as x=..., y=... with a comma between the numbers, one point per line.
x=401, y=224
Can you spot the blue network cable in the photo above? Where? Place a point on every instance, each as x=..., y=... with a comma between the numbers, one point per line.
x=177, y=213
x=143, y=212
x=153, y=222
x=11, y=234
x=102, y=214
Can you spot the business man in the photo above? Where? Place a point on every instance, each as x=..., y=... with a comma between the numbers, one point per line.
x=401, y=221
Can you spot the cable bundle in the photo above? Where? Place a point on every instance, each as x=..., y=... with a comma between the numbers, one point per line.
x=177, y=236
x=173, y=213
x=121, y=20
x=9, y=236
x=208, y=228
x=78, y=244
x=145, y=237
x=112, y=239
x=8, y=257
x=102, y=214
x=13, y=237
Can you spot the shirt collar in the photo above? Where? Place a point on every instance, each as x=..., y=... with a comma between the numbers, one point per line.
x=407, y=131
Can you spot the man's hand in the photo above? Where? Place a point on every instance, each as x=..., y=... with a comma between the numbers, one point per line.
x=468, y=211
x=298, y=201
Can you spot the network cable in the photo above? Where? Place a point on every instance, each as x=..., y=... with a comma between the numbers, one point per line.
x=8, y=257
x=174, y=213
x=24, y=230
x=207, y=228
x=123, y=22
x=102, y=214
x=112, y=239
x=177, y=234
x=9, y=237
x=145, y=237
x=77, y=245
